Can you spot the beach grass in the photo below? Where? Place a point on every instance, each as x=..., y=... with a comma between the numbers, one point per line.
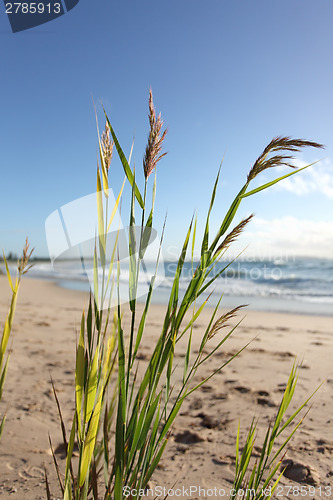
x=258, y=479
x=22, y=268
x=110, y=392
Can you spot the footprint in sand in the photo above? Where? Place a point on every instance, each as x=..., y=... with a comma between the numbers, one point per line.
x=324, y=446
x=242, y=389
x=188, y=437
x=300, y=473
x=284, y=355
x=265, y=394
x=263, y=399
x=196, y=404
x=42, y=323
x=220, y=396
x=206, y=388
x=211, y=422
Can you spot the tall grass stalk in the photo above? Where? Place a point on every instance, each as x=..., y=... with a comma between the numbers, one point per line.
x=22, y=268
x=146, y=407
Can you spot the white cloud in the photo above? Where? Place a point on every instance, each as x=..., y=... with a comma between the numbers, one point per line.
x=316, y=179
x=288, y=236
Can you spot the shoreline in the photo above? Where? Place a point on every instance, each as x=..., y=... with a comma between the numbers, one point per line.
x=259, y=304
x=201, y=449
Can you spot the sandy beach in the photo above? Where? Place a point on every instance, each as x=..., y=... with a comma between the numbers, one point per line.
x=201, y=450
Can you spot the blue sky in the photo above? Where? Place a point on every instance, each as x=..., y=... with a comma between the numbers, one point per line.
x=227, y=77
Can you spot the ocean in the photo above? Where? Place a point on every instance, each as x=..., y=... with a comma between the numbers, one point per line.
x=298, y=285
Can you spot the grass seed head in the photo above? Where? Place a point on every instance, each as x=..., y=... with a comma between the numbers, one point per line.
x=25, y=258
x=233, y=235
x=222, y=322
x=283, y=144
x=107, y=146
x=155, y=139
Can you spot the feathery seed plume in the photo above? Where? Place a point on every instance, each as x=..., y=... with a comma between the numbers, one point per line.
x=233, y=235
x=25, y=258
x=107, y=146
x=155, y=139
x=222, y=321
x=279, y=144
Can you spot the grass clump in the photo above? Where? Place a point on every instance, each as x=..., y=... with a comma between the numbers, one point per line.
x=142, y=409
x=22, y=268
x=257, y=480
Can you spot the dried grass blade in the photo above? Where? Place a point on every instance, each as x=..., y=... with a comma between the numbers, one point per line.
x=70, y=448
x=63, y=428
x=47, y=487
x=93, y=480
x=56, y=466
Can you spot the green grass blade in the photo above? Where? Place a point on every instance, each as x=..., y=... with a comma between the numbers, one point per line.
x=275, y=484
x=270, y=476
x=91, y=388
x=4, y=340
x=125, y=164
x=148, y=421
x=89, y=327
x=290, y=419
x=79, y=374
x=215, y=371
x=119, y=457
x=68, y=490
x=96, y=278
x=170, y=419
x=265, y=186
x=2, y=425
x=154, y=464
x=3, y=376
x=204, y=246
x=187, y=355
x=8, y=274
x=195, y=316
x=90, y=440
x=228, y=218
x=132, y=258
x=193, y=241
x=115, y=208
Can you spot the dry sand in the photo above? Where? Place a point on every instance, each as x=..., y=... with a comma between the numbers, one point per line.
x=201, y=451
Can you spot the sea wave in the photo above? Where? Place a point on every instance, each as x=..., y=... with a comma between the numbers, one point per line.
x=299, y=280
